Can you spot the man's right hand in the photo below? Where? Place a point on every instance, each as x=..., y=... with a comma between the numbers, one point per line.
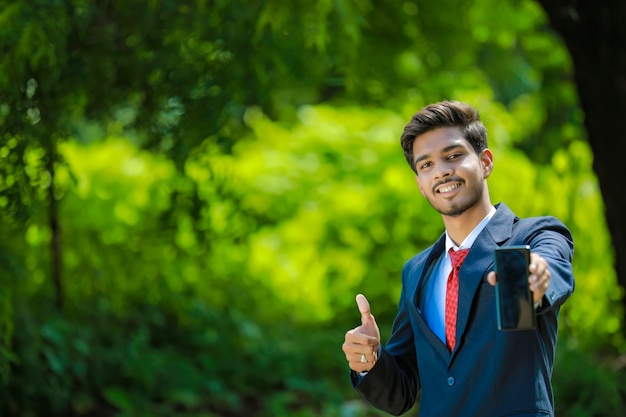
x=363, y=340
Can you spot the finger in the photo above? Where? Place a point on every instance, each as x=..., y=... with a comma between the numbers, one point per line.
x=370, y=357
x=354, y=350
x=539, y=272
x=533, y=270
x=542, y=267
x=543, y=281
x=491, y=278
x=537, y=264
x=540, y=286
x=358, y=339
x=364, y=308
x=362, y=363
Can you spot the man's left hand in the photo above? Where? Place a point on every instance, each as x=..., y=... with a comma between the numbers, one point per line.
x=538, y=278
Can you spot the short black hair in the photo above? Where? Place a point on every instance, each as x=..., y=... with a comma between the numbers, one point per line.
x=444, y=114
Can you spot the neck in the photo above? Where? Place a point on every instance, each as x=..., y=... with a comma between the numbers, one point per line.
x=459, y=227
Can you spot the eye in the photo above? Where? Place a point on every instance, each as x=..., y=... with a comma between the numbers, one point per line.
x=424, y=165
x=454, y=155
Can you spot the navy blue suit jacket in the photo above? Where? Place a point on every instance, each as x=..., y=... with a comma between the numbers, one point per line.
x=490, y=372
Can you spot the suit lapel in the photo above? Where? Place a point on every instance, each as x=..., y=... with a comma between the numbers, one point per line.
x=422, y=269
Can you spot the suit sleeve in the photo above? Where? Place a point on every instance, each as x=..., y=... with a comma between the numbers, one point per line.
x=393, y=383
x=553, y=241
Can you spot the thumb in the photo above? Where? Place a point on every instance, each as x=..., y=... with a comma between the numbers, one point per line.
x=368, y=322
x=364, y=308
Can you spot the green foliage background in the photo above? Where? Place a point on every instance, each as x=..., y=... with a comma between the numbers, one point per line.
x=228, y=176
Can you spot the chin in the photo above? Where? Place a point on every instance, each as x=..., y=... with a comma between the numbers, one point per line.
x=455, y=210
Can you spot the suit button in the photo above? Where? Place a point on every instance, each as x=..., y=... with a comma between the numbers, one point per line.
x=451, y=381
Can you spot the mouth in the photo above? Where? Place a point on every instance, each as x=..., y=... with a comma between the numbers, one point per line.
x=448, y=187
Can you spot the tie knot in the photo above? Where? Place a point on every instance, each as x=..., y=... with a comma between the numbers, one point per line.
x=457, y=257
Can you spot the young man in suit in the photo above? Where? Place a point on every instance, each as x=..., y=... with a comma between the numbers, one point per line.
x=445, y=340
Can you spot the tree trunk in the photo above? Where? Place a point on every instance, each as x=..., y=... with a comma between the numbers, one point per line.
x=594, y=31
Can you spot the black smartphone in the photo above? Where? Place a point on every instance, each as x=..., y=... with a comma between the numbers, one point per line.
x=514, y=300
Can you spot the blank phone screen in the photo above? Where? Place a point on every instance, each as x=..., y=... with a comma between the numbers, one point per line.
x=514, y=303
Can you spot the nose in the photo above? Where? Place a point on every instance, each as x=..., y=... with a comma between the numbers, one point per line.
x=443, y=170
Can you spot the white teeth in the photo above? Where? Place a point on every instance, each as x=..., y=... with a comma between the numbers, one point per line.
x=448, y=188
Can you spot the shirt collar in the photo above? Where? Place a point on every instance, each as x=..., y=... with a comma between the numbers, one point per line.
x=469, y=240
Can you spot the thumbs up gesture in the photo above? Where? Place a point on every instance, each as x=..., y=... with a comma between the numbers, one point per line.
x=361, y=343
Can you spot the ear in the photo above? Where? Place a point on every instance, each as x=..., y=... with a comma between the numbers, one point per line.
x=417, y=180
x=486, y=161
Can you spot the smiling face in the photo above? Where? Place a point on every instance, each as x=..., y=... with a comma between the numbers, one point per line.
x=450, y=174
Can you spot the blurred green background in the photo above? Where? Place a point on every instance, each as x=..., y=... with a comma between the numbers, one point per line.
x=193, y=192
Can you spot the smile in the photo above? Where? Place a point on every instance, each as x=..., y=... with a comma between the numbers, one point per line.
x=448, y=188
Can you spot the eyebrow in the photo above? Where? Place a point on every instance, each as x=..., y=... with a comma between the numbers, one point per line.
x=444, y=150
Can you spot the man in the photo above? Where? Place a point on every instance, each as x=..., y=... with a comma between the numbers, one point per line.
x=448, y=346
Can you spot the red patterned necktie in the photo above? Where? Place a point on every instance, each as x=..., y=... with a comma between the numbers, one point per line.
x=452, y=295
